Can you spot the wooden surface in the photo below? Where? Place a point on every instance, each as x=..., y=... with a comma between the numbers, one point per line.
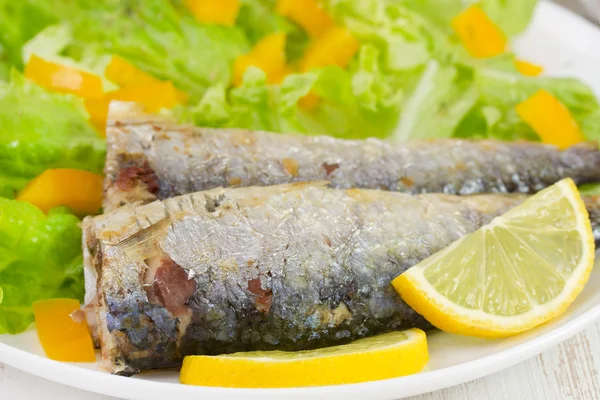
x=568, y=371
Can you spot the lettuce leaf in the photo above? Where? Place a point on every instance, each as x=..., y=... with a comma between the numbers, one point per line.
x=442, y=97
x=405, y=38
x=40, y=257
x=20, y=21
x=258, y=18
x=350, y=105
x=156, y=37
x=42, y=130
x=512, y=16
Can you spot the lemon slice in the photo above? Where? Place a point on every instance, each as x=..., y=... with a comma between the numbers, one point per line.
x=519, y=271
x=380, y=357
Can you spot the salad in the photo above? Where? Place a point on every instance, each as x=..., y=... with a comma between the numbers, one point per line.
x=394, y=69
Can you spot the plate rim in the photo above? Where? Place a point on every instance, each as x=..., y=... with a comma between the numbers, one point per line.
x=425, y=382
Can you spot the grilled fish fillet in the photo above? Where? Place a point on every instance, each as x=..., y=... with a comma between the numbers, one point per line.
x=286, y=267
x=151, y=158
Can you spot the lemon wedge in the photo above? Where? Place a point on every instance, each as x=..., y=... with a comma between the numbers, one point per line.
x=521, y=270
x=380, y=357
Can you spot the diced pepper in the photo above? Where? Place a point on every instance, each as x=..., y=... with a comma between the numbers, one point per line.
x=152, y=96
x=268, y=55
x=527, y=68
x=479, y=34
x=79, y=190
x=337, y=46
x=64, y=79
x=62, y=337
x=550, y=119
x=308, y=14
x=98, y=110
x=223, y=12
x=125, y=74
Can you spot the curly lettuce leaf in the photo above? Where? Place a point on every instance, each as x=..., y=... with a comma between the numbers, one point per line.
x=258, y=18
x=504, y=88
x=40, y=258
x=512, y=16
x=156, y=37
x=349, y=105
x=42, y=130
x=405, y=38
x=20, y=21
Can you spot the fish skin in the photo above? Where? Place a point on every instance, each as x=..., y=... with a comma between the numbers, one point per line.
x=151, y=158
x=286, y=267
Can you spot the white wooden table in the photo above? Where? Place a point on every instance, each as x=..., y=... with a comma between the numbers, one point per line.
x=566, y=372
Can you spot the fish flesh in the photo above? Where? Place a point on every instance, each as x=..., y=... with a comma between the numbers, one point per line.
x=288, y=267
x=150, y=157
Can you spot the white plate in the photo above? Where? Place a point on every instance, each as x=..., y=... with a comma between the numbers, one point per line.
x=572, y=50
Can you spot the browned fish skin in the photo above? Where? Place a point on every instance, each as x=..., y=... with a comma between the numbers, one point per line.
x=285, y=267
x=148, y=160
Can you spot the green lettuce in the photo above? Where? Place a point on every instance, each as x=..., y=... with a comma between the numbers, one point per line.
x=258, y=18
x=19, y=22
x=40, y=258
x=351, y=105
x=442, y=97
x=42, y=130
x=156, y=36
x=512, y=16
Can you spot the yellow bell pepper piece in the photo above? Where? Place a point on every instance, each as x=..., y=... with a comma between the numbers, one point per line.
x=64, y=79
x=223, y=12
x=479, y=34
x=527, y=68
x=62, y=338
x=308, y=14
x=337, y=46
x=79, y=190
x=550, y=119
x=153, y=96
x=268, y=55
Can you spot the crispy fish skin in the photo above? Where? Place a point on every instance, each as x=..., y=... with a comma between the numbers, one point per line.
x=149, y=158
x=286, y=267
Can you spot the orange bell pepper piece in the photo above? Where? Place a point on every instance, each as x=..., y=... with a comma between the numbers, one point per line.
x=268, y=55
x=527, y=68
x=479, y=34
x=98, y=111
x=337, y=46
x=64, y=79
x=153, y=96
x=125, y=74
x=79, y=190
x=308, y=14
x=62, y=338
x=223, y=12
x=550, y=119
